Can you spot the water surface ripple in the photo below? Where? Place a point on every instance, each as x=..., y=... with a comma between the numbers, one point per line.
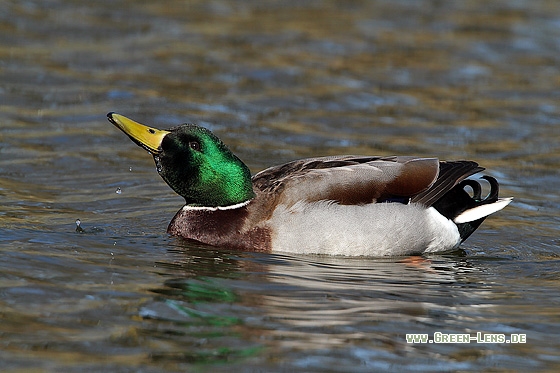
x=276, y=81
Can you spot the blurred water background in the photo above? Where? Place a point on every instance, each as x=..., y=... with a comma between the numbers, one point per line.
x=276, y=80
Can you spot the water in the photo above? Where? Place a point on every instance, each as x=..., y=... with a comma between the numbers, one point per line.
x=276, y=81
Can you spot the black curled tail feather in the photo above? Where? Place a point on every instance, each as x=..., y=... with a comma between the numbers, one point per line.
x=457, y=200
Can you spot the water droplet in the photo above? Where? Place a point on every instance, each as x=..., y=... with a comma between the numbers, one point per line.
x=118, y=191
x=78, y=228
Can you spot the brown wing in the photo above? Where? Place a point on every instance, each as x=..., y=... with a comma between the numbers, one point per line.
x=451, y=173
x=348, y=179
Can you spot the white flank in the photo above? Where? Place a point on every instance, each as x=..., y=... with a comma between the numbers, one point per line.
x=482, y=211
x=447, y=236
x=370, y=230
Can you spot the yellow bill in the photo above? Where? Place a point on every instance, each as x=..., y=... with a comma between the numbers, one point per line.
x=147, y=137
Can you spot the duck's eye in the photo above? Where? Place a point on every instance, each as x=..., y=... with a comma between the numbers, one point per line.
x=194, y=145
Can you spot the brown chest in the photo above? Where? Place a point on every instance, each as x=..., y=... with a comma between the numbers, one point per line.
x=230, y=228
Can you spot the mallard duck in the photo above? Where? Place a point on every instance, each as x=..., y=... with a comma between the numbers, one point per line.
x=339, y=205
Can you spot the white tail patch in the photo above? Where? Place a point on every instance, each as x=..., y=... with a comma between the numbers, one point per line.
x=482, y=211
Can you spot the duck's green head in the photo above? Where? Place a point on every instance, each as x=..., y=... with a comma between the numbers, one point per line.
x=193, y=162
